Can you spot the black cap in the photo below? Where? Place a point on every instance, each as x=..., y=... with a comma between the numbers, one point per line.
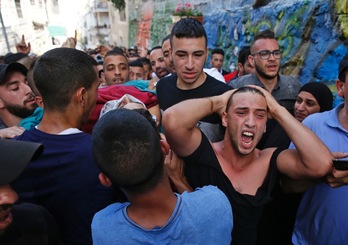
x=4, y=68
x=14, y=157
x=133, y=48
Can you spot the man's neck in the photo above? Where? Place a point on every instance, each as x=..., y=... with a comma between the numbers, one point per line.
x=343, y=116
x=153, y=208
x=268, y=83
x=55, y=123
x=188, y=86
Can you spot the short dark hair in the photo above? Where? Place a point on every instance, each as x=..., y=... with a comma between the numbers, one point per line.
x=243, y=54
x=166, y=38
x=136, y=63
x=218, y=51
x=156, y=47
x=145, y=61
x=127, y=150
x=115, y=52
x=342, y=76
x=59, y=72
x=244, y=89
x=188, y=28
x=265, y=34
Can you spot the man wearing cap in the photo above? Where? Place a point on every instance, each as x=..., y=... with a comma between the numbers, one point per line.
x=322, y=217
x=17, y=100
x=24, y=223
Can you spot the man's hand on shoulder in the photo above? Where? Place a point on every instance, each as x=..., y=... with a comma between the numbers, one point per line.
x=11, y=132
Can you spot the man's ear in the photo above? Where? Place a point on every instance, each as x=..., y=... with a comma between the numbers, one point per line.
x=251, y=60
x=240, y=67
x=164, y=144
x=224, y=119
x=2, y=104
x=340, y=87
x=80, y=96
x=105, y=181
x=39, y=102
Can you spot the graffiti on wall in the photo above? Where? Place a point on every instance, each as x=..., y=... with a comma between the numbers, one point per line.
x=313, y=34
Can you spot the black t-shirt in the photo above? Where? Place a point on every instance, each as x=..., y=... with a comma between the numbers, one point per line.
x=31, y=225
x=203, y=168
x=168, y=94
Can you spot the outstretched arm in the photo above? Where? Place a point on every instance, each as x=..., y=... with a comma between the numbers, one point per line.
x=179, y=121
x=311, y=157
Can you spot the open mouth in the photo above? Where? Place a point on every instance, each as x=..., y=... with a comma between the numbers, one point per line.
x=247, y=137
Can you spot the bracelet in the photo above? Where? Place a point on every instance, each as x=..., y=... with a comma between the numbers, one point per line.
x=211, y=104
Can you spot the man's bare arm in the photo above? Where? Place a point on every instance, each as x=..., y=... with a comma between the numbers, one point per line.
x=179, y=121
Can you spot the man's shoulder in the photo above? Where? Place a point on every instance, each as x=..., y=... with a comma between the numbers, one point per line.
x=201, y=196
x=243, y=81
x=111, y=210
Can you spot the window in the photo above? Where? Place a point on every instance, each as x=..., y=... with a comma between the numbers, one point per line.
x=123, y=15
x=55, y=7
x=18, y=8
x=32, y=2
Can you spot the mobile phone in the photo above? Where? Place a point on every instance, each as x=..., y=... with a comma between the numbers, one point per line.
x=340, y=164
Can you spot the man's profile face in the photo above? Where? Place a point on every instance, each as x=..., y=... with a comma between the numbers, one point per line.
x=247, y=68
x=245, y=121
x=116, y=69
x=91, y=98
x=147, y=71
x=189, y=56
x=157, y=63
x=16, y=96
x=217, y=61
x=268, y=68
x=166, y=55
x=8, y=197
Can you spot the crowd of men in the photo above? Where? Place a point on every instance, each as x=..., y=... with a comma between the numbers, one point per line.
x=117, y=146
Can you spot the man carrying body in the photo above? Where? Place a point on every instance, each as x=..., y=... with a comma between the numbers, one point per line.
x=17, y=100
x=166, y=54
x=116, y=68
x=245, y=174
x=136, y=70
x=65, y=178
x=157, y=62
x=189, y=53
x=130, y=155
x=322, y=217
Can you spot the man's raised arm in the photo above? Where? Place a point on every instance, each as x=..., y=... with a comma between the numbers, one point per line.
x=311, y=157
x=179, y=121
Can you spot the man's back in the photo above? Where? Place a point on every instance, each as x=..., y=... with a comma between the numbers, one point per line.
x=65, y=181
x=191, y=222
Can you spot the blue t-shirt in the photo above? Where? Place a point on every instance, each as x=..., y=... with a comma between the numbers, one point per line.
x=64, y=179
x=200, y=217
x=322, y=217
